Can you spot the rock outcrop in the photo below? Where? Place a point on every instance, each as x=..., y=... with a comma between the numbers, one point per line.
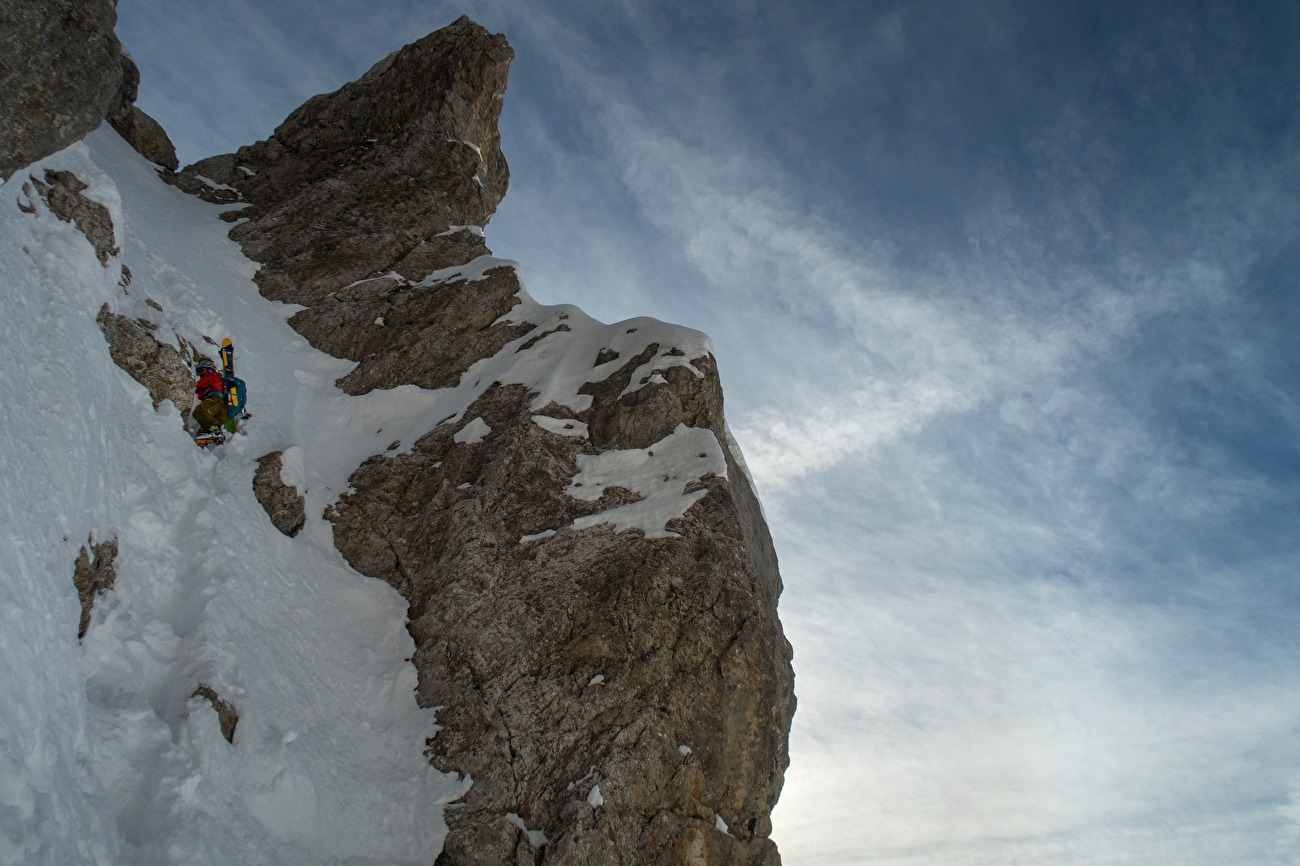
x=60, y=69
x=378, y=168
x=62, y=193
x=157, y=366
x=227, y=715
x=140, y=130
x=93, y=573
x=283, y=503
x=592, y=586
x=570, y=661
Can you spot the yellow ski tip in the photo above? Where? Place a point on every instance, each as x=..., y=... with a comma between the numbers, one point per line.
x=225, y=341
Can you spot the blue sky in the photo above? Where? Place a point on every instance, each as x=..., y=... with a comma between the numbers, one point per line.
x=1004, y=297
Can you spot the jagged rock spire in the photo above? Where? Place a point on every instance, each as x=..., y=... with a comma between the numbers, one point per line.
x=624, y=694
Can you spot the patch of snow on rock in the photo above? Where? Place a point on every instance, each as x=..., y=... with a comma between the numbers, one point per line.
x=472, y=433
x=207, y=181
x=561, y=426
x=538, y=536
x=659, y=474
x=536, y=838
x=471, y=271
x=451, y=230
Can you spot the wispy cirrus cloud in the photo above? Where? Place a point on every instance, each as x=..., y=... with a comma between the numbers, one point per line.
x=897, y=347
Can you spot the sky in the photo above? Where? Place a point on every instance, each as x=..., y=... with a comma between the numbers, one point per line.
x=1004, y=298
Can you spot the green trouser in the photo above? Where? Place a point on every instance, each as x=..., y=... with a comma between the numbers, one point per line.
x=211, y=412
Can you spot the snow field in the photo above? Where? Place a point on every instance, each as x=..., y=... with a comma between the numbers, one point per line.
x=105, y=756
x=52, y=807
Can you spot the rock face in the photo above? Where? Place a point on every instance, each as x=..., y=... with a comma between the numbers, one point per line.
x=648, y=670
x=139, y=129
x=382, y=166
x=60, y=68
x=227, y=715
x=592, y=586
x=94, y=572
x=283, y=504
x=157, y=366
x=61, y=192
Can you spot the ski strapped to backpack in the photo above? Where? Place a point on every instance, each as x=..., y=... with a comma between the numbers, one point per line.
x=235, y=390
x=233, y=403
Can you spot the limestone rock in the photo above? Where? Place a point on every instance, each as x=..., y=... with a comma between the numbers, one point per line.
x=419, y=335
x=356, y=181
x=283, y=503
x=584, y=658
x=618, y=693
x=497, y=842
x=158, y=367
x=61, y=192
x=93, y=573
x=59, y=72
x=227, y=715
x=140, y=130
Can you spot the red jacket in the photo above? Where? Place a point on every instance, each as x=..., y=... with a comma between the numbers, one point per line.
x=209, y=384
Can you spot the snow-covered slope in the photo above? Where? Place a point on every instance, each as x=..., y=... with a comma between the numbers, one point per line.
x=105, y=756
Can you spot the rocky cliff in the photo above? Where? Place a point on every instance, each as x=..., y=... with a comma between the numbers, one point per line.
x=622, y=687
x=592, y=588
x=63, y=72
x=60, y=69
